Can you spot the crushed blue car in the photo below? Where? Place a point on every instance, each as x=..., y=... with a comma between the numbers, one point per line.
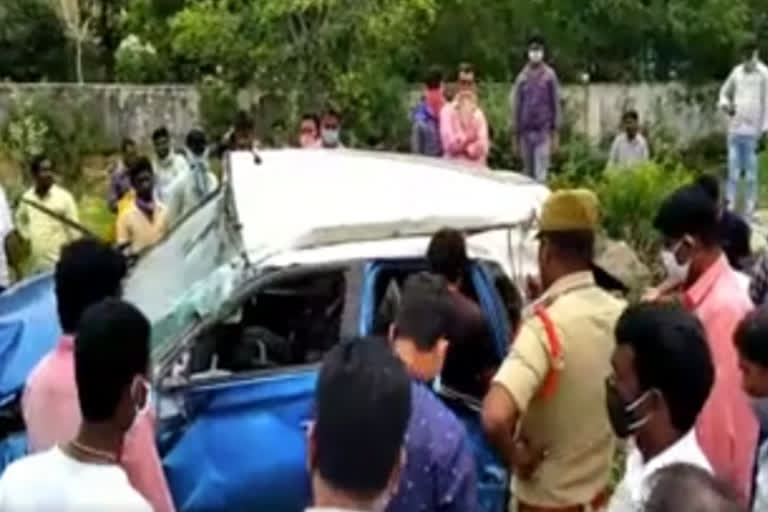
x=301, y=249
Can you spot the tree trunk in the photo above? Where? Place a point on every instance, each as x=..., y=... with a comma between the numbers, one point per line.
x=79, y=60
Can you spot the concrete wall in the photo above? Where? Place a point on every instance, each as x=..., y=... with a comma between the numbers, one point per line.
x=594, y=109
x=119, y=110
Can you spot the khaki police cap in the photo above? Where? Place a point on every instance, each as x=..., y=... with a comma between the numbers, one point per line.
x=570, y=210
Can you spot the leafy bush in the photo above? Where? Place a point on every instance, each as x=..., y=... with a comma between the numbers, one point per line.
x=218, y=103
x=137, y=61
x=37, y=124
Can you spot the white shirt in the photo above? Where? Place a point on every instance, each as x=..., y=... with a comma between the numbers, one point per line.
x=747, y=93
x=633, y=490
x=53, y=480
x=166, y=172
x=6, y=226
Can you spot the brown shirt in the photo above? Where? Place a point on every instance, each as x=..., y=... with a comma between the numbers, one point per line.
x=471, y=356
x=573, y=423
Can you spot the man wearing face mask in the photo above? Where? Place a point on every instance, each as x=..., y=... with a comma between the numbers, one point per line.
x=355, y=451
x=191, y=188
x=535, y=112
x=545, y=411
x=84, y=473
x=662, y=376
x=744, y=98
x=330, y=130
x=709, y=287
x=87, y=273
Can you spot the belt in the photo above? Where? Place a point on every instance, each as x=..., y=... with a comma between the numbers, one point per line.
x=597, y=503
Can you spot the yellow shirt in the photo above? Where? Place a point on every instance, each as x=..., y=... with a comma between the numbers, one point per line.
x=138, y=230
x=46, y=234
x=572, y=424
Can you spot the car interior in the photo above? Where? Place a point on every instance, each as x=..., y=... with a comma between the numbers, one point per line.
x=291, y=323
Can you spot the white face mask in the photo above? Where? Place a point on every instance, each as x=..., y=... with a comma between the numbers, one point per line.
x=676, y=272
x=535, y=56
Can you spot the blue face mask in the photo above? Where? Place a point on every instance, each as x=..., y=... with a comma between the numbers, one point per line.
x=330, y=137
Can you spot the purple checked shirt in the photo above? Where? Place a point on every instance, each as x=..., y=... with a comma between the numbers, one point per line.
x=439, y=472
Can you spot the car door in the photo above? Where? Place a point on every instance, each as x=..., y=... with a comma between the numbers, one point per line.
x=493, y=481
x=237, y=441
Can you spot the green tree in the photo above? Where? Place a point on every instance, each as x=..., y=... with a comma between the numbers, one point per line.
x=32, y=47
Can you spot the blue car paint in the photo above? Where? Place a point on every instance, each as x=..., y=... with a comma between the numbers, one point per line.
x=29, y=329
x=228, y=439
x=243, y=433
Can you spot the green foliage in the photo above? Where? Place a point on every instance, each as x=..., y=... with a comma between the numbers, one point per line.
x=32, y=45
x=36, y=124
x=138, y=62
x=218, y=100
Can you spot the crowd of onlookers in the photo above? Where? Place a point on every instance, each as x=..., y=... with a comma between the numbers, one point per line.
x=671, y=379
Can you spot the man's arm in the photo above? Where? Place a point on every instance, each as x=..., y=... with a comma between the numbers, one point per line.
x=519, y=379
x=452, y=138
x=417, y=146
x=478, y=150
x=727, y=91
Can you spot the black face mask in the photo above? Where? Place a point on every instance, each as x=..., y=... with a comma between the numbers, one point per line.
x=623, y=415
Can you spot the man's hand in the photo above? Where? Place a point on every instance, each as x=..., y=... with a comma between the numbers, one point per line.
x=526, y=459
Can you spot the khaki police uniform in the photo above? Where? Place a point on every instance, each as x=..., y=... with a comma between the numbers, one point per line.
x=569, y=420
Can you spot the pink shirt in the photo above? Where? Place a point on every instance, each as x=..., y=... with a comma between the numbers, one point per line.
x=726, y=428
x=456, y=138
x=52, y=415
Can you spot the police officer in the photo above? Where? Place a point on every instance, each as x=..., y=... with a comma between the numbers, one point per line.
x=545, y=412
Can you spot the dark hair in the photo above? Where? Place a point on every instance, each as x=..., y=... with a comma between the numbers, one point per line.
x=111, y=348
x=684, y=487
x=88, y=271
x=197, y=141
x=425, y=311
x=690, y=210
x=36, y=162
x=243, y=122
x=537, y=40
x=160, y=133
x=671, y=355
x=709, y=184
x=312, y=117
x=433, y=77
x=466, y=68
x=142, y=164
x=576, y=246
x=630, y=114
x=750, y=46
x=447, y=254
x=126, y=143
x=332, y=112
x=751, y=336
x=363, y=404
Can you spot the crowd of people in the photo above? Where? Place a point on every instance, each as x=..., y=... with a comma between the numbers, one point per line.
x=671, y=380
